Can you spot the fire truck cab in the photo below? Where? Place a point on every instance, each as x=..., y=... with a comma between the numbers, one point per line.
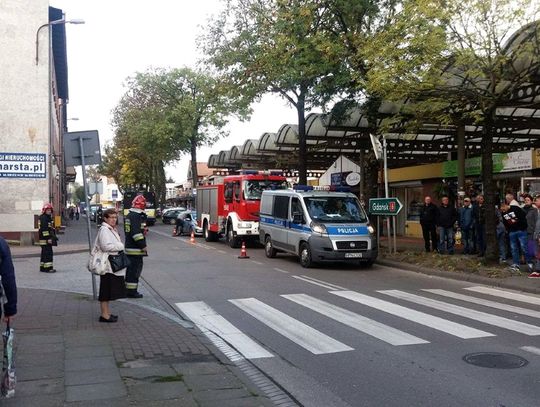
x=231, y=209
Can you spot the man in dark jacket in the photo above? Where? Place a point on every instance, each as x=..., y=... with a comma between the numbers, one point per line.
x=135, y=231
x=47, y=239
x=7, y=273
x=466, y=224
x=479, y=215
x=446, y=218
x=516, y=224
x=428, y=221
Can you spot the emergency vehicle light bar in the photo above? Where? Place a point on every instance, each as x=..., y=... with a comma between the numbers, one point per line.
x=333, y=188
x=303, y=188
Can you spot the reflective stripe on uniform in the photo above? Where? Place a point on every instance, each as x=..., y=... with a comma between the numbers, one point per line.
x=42, y=242
x=131, y=286
x=138, y=236
x=134, y=252
x=47, y=265
x=46, y=233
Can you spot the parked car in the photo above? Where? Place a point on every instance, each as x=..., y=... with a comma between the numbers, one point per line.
x=93, y=212
x=187, y=222
x=169, y=216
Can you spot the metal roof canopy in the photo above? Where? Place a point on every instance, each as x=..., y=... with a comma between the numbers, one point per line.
x=517, y=128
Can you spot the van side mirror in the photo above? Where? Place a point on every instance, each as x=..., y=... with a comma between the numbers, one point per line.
x=298, y=218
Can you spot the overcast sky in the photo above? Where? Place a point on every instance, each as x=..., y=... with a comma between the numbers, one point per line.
x=122, y=37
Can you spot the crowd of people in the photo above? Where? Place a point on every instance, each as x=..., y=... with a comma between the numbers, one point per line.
x=517, y=226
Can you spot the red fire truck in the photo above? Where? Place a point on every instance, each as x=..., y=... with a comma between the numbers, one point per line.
x=231, y=209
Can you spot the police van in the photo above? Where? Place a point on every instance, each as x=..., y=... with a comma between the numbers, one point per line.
x=316, y=225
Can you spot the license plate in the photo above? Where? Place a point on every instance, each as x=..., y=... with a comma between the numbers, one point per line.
x=353, y=255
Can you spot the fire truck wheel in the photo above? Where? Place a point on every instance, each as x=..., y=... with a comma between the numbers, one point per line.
x=269, y=248
x=305, y=255
x=209, y=236
x=234, y=242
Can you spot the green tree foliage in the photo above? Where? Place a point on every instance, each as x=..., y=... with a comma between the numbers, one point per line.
x=278, y=46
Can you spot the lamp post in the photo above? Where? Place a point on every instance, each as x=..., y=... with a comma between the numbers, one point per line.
x=50, y=96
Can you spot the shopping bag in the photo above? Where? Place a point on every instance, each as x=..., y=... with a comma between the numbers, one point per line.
x=98, y=262
x=7, y=386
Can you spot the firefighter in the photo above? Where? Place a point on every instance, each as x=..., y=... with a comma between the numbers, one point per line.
x=135, y=231
x=47, y=239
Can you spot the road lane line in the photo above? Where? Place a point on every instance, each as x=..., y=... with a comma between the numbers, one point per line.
x=329, y=287
x=257, y=262
x=505, y=294
x=484, y=317
x=440, y=324
x=337, y=287
x=303, y=335
x=531, y=349
x=487, y=303
x=281, y=271
x=222, y=251
x=209, y=320
x=360, y=323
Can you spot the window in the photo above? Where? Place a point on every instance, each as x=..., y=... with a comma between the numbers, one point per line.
x=296, y=208
x=415, y=200
x=281, y=207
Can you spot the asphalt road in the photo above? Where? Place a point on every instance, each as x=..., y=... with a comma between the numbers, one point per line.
x=342, y=336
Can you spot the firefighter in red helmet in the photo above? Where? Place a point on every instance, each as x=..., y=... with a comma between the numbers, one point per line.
x=135, y=231
x=47, y=239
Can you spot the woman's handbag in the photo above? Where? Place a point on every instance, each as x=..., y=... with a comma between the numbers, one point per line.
x=118, y=261
x=97, y=263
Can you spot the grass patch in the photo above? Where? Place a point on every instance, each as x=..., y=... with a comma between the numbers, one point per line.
x=167, y=379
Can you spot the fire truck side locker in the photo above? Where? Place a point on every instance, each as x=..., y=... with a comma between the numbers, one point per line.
x=207, y=205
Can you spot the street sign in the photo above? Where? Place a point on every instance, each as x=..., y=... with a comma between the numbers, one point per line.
x=385, y=206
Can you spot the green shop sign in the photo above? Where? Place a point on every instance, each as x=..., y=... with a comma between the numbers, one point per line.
x=502, y=162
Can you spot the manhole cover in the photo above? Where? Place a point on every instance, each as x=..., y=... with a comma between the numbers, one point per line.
x=495, y=360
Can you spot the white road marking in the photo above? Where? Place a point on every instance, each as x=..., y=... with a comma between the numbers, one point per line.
x=257, y=262
x=281, y=271
x=209, y=320
x=440, y=324
x=222, y=251
x=205, y=246
x=376, y=329
x=483, y=317
x=303, y=335
x=329, y=287
x=531, y=349
x=505, y=294
x=337, y=287
x=487, y=303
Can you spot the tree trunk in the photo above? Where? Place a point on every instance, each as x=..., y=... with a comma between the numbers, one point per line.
x=194, y=174
x=302, y=145
x=489, y=187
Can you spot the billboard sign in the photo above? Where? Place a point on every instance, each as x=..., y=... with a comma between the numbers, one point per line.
x=23, y=165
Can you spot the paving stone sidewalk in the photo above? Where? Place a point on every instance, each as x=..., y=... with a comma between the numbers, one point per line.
x=65, y=357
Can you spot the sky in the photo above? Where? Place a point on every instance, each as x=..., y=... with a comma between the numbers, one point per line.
x=122, y=37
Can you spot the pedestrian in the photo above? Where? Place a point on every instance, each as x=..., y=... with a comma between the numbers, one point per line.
x=446, y=219
x=531, y=214
x=501, y=233
x=9, y=285
x=71, y=213
x=112, y=286
x=135, y=231
x=527, y=203
x=47, y=239
x=466, y=223
x=479, y=215
x=77, y=212
x=516, y=225
x=428, y=221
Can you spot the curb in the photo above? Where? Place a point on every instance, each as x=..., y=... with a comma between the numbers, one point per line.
x=57, y=253
x=497, y=282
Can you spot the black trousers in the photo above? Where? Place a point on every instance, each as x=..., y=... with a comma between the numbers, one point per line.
x=133, y=272
x=46, y=260
x=429, y=231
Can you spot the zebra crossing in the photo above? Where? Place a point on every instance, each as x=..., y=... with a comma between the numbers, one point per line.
x=417, y=315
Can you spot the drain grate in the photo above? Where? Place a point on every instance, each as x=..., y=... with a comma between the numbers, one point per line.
x=495, y=360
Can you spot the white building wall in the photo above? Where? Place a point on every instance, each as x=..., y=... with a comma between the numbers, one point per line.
x=342, y=164
x=24, y=93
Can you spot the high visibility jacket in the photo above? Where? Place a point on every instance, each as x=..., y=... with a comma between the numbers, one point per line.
x=134, y=229
x=46, y=230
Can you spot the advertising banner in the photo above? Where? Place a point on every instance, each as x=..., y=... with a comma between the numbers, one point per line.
x=23, y=165
x=502, y=162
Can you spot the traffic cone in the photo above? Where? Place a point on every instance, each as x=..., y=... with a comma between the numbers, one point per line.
x=243, y=252
x=173, y=231
x=192, y=238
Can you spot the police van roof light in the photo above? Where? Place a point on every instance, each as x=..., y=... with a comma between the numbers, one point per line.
x=303, y=188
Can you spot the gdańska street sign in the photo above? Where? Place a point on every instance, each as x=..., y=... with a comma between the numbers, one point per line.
x=385, y=206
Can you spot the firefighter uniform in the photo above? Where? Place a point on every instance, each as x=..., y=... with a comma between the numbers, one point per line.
x=47, y=237
x=135, y=249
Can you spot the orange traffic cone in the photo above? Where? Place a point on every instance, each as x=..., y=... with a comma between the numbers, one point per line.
x=243, y=252
x=192, y=238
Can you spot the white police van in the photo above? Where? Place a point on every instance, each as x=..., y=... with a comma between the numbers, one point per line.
x=316, y=225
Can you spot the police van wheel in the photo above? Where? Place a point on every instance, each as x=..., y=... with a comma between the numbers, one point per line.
x=305, y=256
x=269, y=248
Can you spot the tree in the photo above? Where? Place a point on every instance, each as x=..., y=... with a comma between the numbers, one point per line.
x=475, y=70
x=278, y=46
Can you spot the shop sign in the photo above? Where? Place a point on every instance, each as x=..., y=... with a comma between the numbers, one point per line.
x=502, y=162
x=353, y=179
x=338, y=178
x=23, y=165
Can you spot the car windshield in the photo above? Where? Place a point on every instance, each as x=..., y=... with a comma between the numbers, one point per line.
x=332, y=209
x=253, y=189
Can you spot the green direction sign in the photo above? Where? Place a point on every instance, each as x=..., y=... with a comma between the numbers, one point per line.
x=385, y=206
